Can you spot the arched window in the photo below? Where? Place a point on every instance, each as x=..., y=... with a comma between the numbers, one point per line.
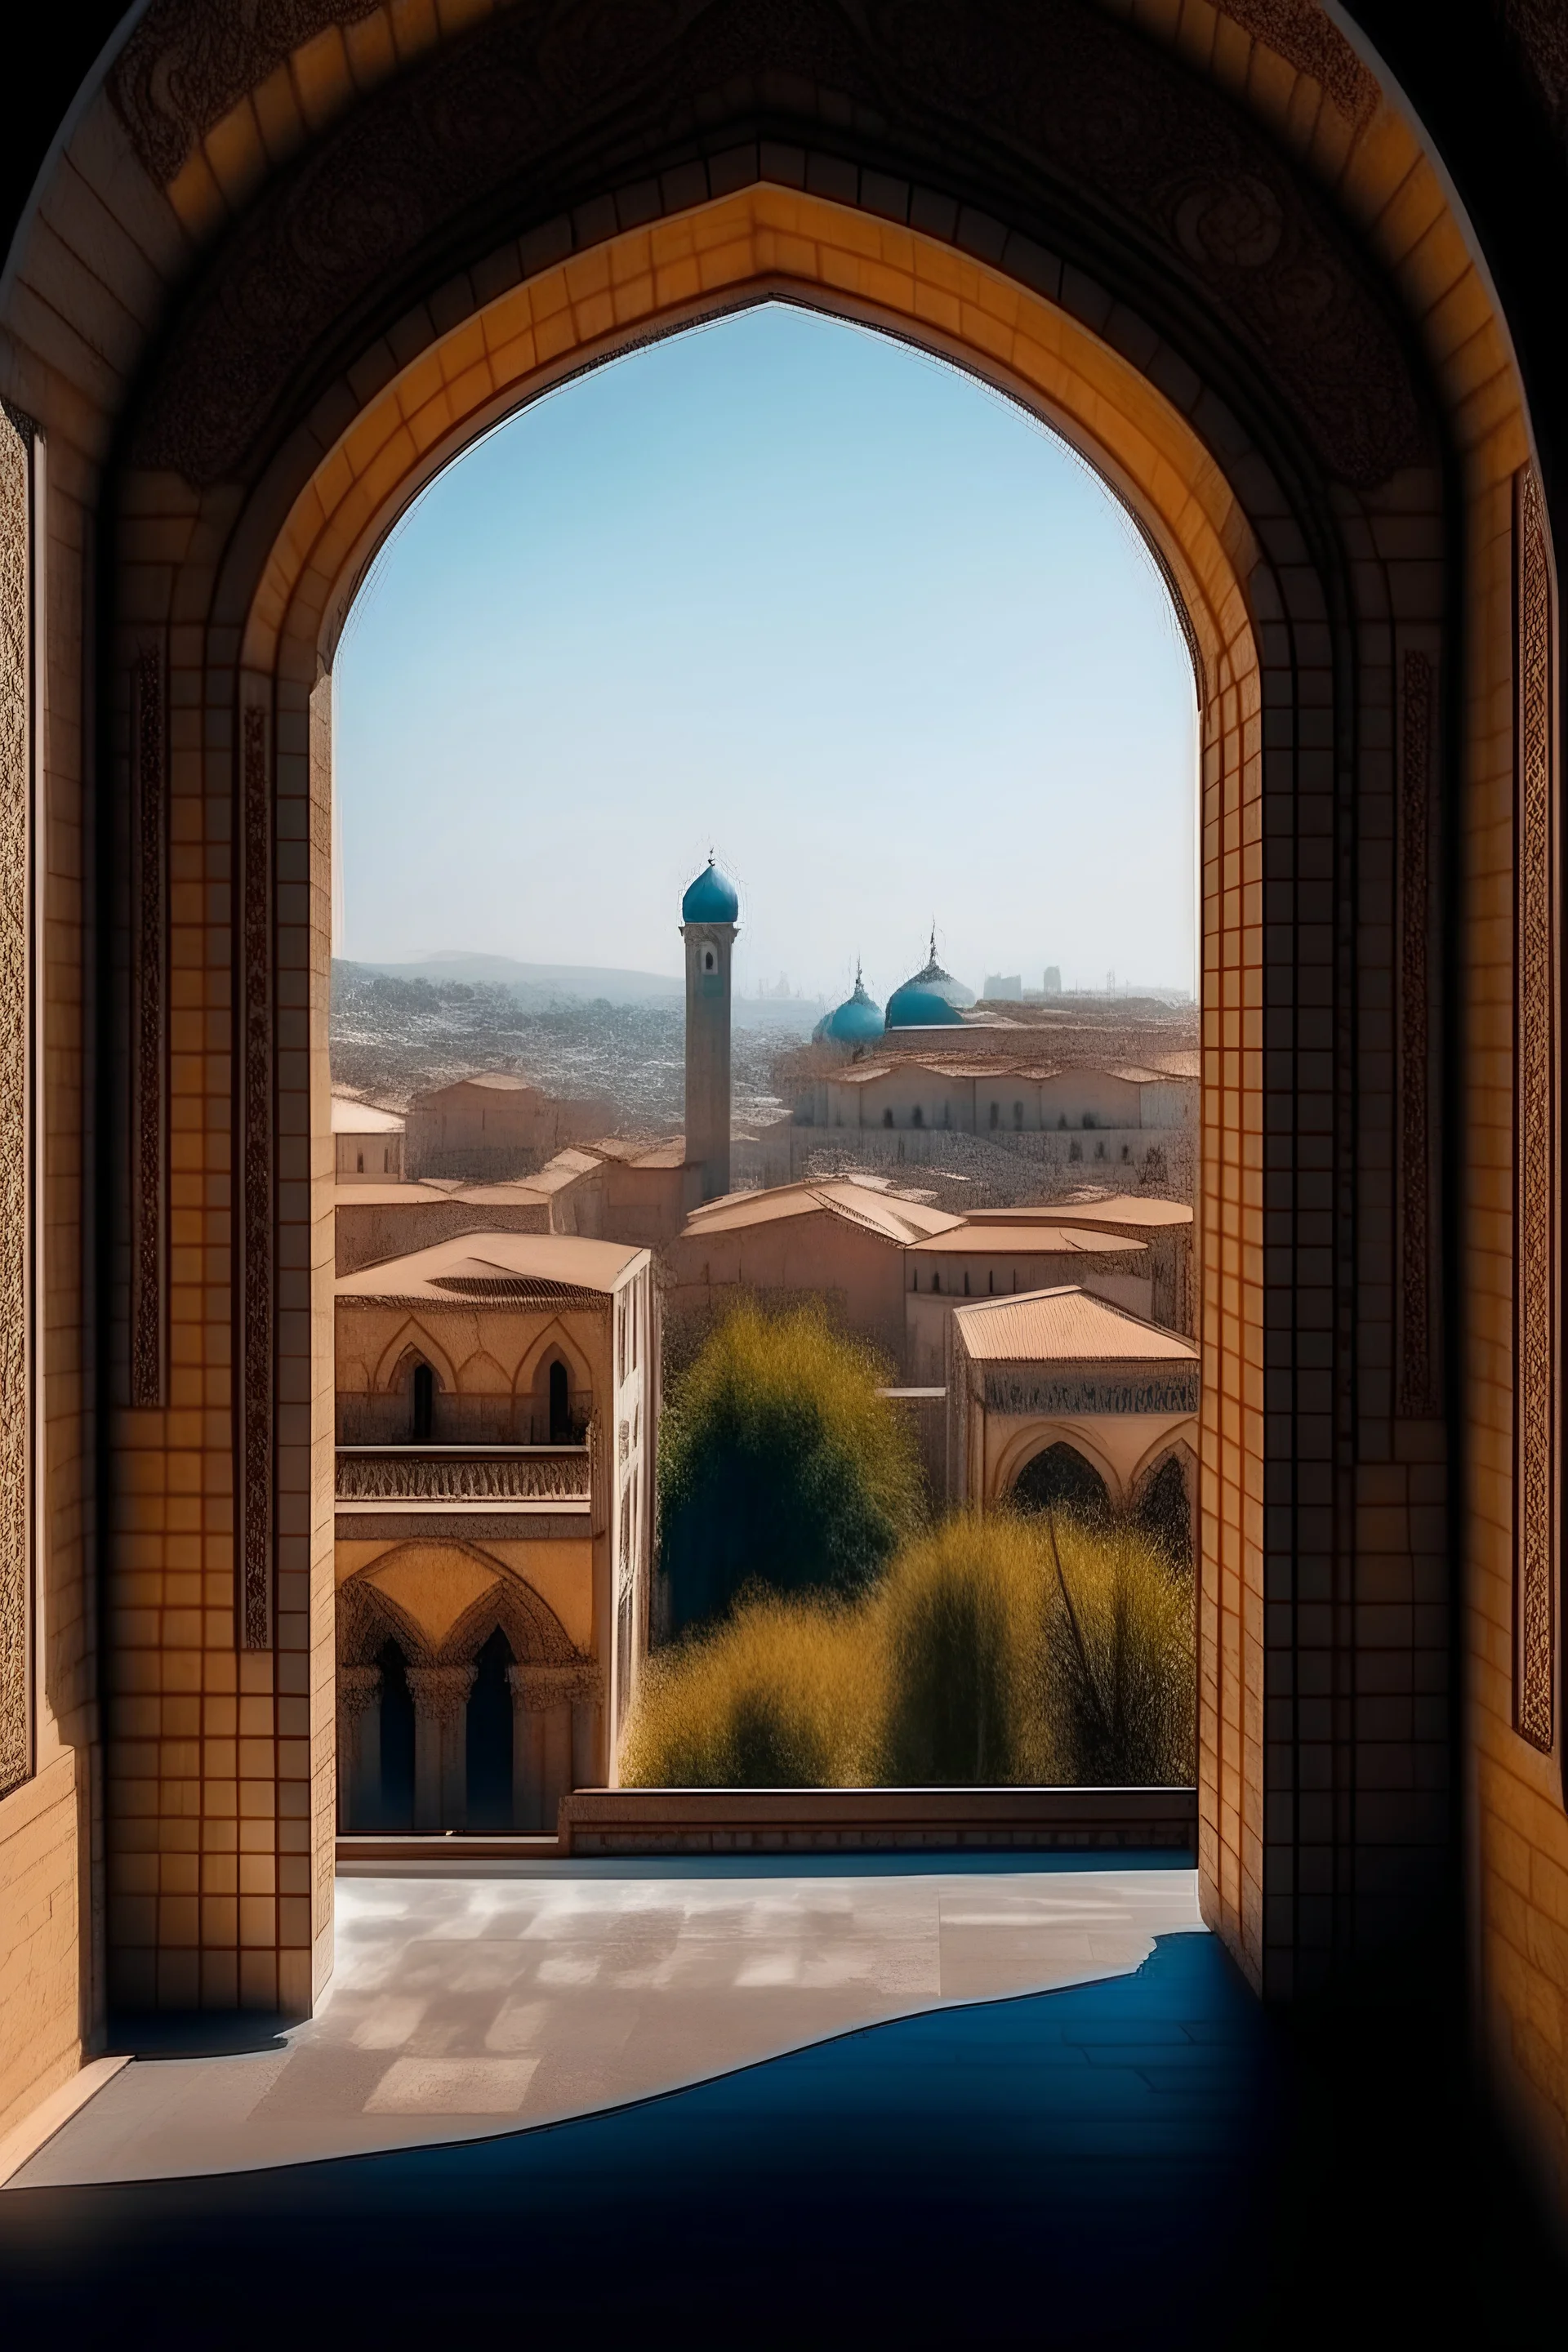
x=887, y=1118
x=560, y=1405
x=423, y=1404
x=1018, y=1117
x=995, y=1113
x=359, y=1163
x=935, y=1280
x=917, y=1116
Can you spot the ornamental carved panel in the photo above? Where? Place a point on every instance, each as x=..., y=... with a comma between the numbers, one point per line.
x=1535, y=1123
x=150, y=771
x=1074, y=122
x=15, y=764
x=256, y=1218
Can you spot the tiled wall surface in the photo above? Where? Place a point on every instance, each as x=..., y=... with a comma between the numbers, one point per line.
x=1327, y=1681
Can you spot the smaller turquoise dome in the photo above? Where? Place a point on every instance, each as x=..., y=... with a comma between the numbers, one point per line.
x=712, y=898
x=914, y=1007
x=854, y=1023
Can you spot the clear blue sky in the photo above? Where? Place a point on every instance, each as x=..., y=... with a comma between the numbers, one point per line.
x=784, y=586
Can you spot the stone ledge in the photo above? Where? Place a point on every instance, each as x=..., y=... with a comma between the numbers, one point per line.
x=628, y=1821
x=870, y=1821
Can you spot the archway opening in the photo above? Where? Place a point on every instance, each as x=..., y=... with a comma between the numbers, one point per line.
x=489, y=1733
x=1164, y=1508
x=981, y=1089
x=1060, y=1478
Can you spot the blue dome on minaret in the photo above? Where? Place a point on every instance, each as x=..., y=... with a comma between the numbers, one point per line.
x=712, y=897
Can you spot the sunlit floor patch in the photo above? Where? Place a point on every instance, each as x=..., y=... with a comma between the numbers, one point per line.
x=1082, y=2166
x=475, y=2006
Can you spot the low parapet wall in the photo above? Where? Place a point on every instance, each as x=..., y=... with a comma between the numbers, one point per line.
x=876, y=1820
x=625, y=1822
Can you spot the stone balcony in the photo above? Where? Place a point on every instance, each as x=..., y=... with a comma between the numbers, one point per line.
x=502, y=1474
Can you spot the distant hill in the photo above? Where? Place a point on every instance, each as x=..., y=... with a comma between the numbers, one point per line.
x=537, y=983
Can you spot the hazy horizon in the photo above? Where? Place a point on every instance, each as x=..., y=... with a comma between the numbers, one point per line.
x=784, y=588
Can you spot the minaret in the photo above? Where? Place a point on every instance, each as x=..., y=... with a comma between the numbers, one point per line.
x=708, y=924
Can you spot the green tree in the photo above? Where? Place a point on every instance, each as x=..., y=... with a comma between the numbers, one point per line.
x=780, y=1466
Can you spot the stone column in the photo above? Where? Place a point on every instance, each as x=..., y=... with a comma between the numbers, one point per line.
x=552, y=1702
x=359, y=1747
x=584, y=1744
x=528, y=1720
x=440, y=1695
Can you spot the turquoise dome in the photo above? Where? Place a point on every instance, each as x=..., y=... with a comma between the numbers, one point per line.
x=917, y=1007
x=932, y=999
x=711, y=899
x=854, y=1023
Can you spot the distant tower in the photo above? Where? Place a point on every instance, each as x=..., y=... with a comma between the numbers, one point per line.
x=708, y=924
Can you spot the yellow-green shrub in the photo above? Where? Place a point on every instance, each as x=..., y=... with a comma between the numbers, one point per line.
x=784, y=1694
x=1118, y=1665
x=959, y=1622
x=1005, y=1649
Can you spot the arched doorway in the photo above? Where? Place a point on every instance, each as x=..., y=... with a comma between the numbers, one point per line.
x=1164, y=1508
x=1332, y=493
x=1060, y=1478
x=1216, y=556
x=489, y=1739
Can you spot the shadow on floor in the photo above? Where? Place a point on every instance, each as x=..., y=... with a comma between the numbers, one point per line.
x=1133, y=2162
x=197, y=2034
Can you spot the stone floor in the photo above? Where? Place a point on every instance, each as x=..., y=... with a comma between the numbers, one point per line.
x=467, y=2007
x=1142, y=2159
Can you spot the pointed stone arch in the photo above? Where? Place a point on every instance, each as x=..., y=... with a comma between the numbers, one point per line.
x=554, y=1340
x=411, y=1342
x=479, y=1375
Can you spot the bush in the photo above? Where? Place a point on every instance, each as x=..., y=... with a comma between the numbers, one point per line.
x=780, y=1466
x=782, y=1695
x=960, y=1621
x=1118, y=1665
x=1002, y=1650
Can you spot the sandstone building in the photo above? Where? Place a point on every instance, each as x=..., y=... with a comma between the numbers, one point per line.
x=497, y=1403
x=495, y=1125
x=368, y=1142
x=1056, y=1396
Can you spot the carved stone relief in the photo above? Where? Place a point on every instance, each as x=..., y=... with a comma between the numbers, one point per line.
x=1299, y=32
x=150, y=789
x=185, y=66
x=1417, y=1382
x=255, y=1180
x=15, y=763
x=516, y=117
x=1535, y=1123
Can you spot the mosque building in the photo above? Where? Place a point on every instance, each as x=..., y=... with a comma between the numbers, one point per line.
x=935, y=1066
